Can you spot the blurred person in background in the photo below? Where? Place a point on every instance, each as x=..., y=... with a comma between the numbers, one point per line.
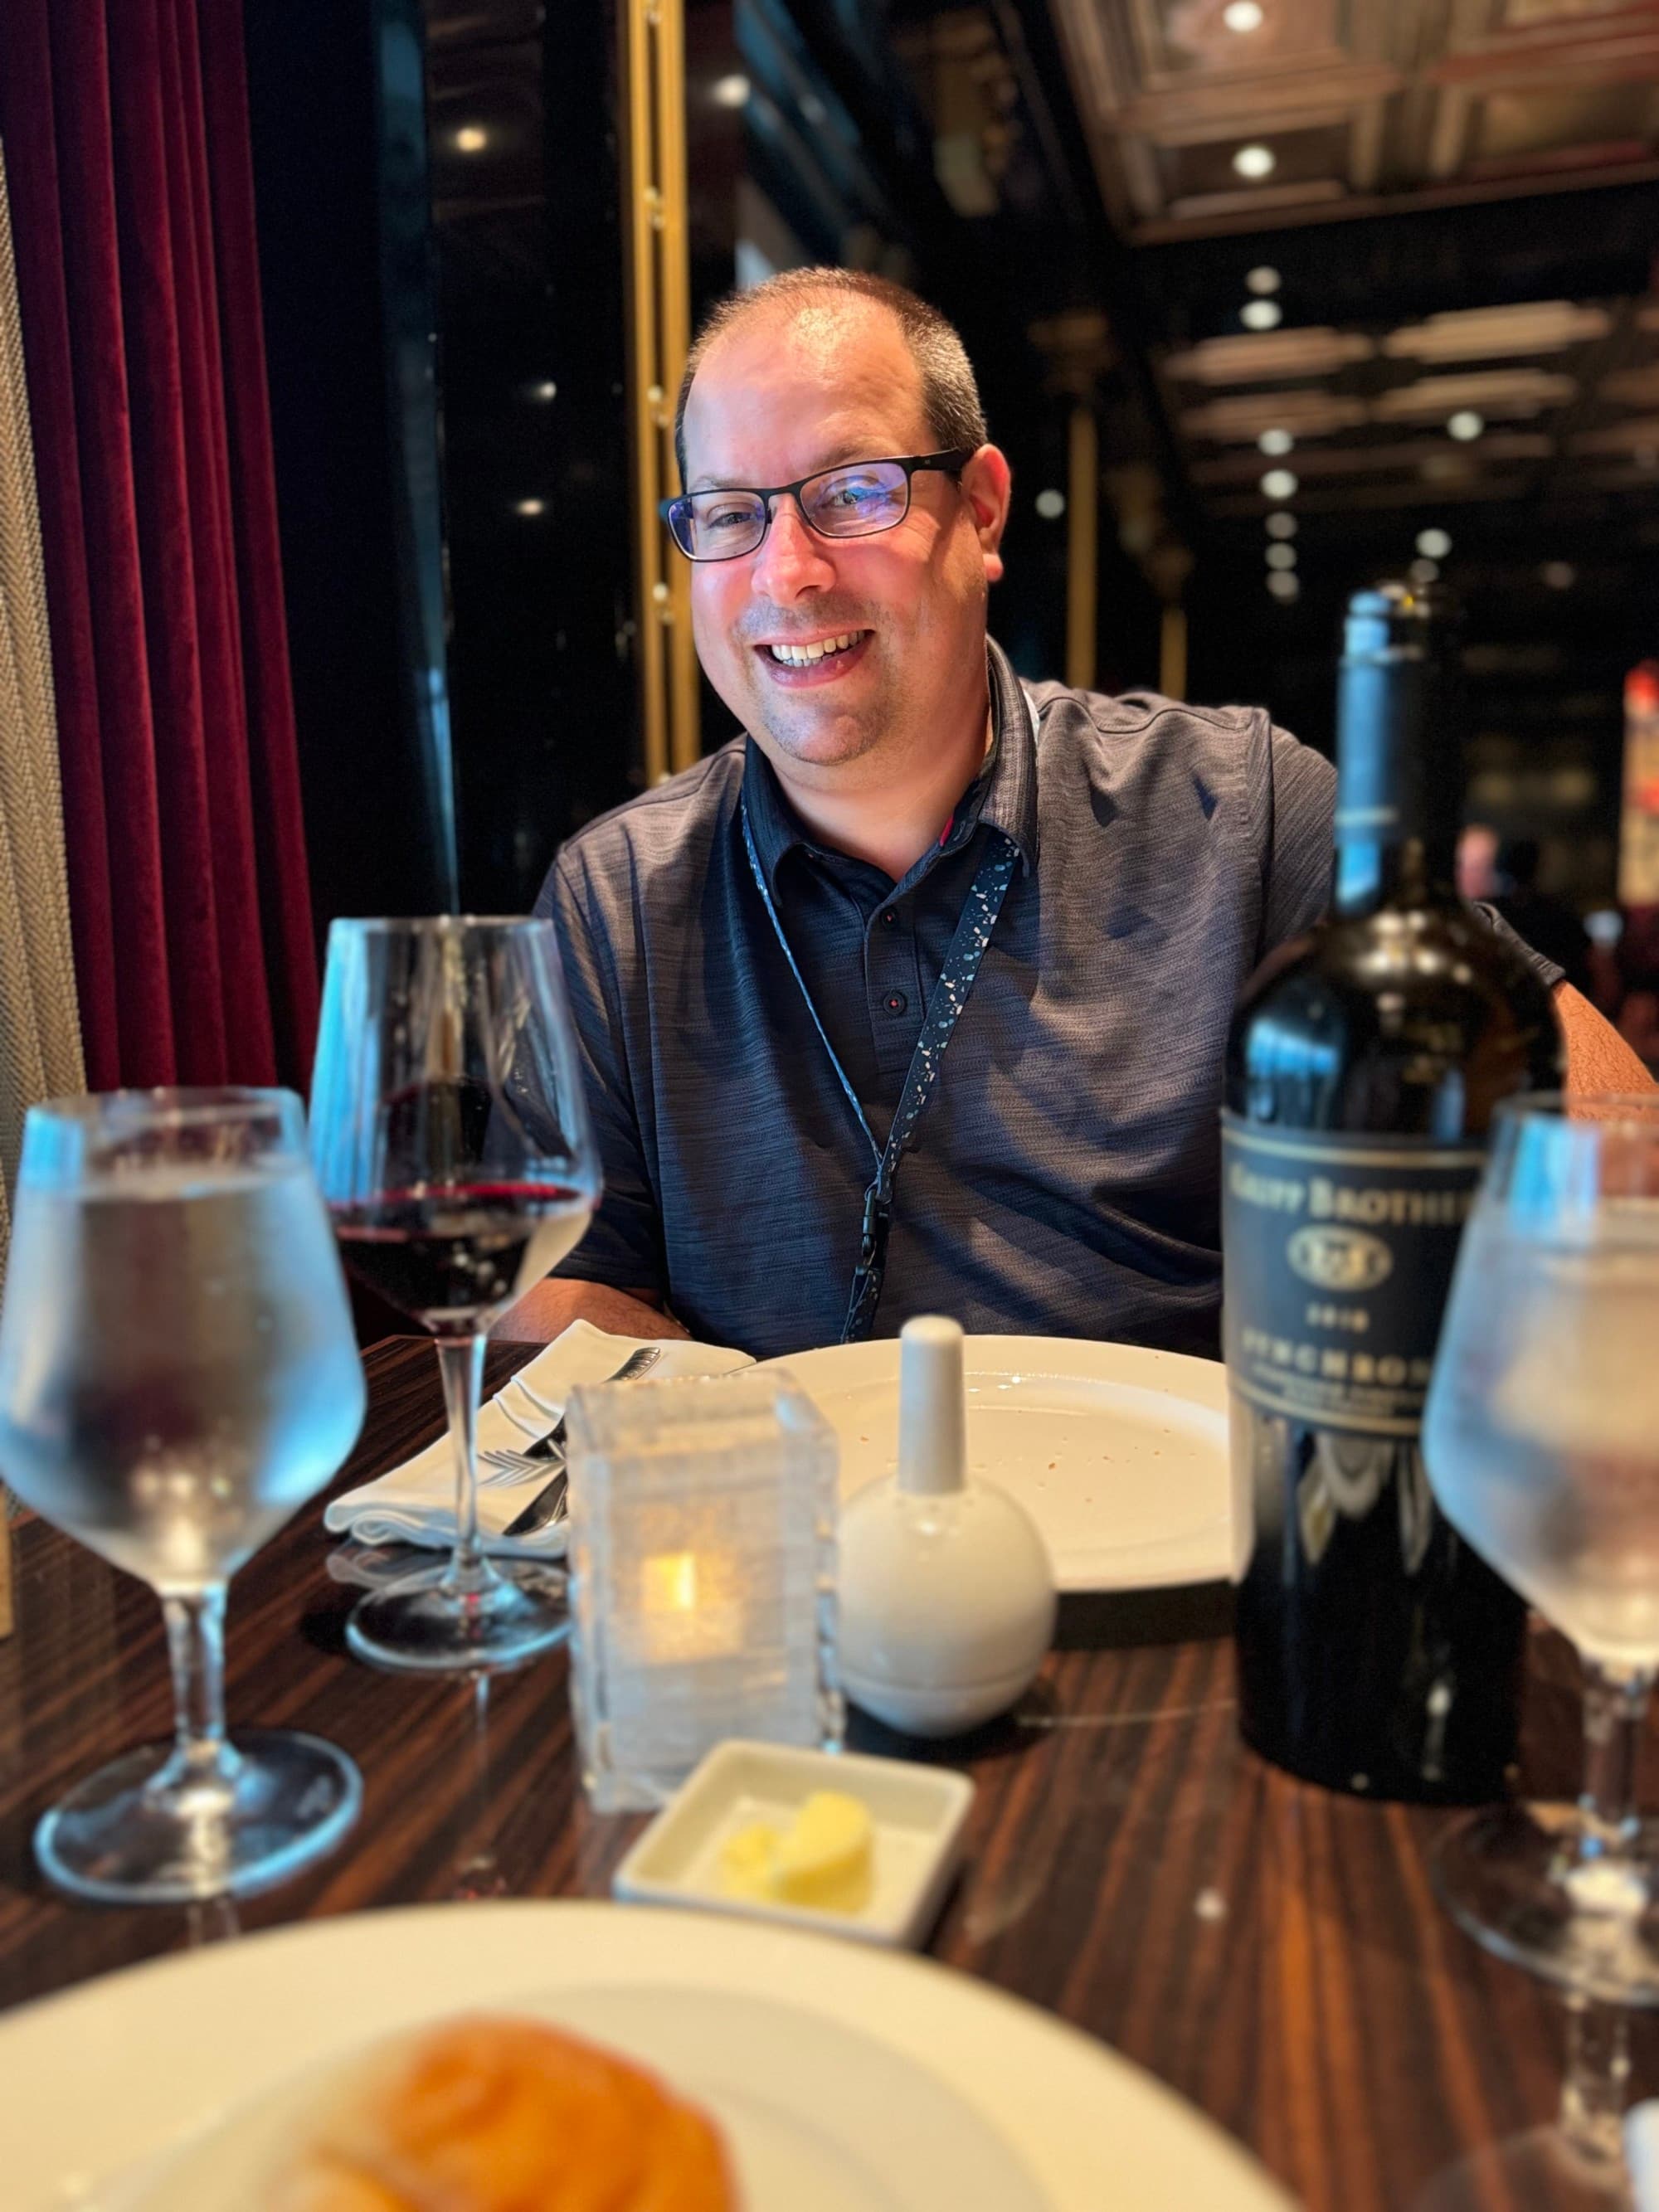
x=1477, y=861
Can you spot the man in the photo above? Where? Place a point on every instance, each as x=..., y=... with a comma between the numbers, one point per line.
x=751, y=947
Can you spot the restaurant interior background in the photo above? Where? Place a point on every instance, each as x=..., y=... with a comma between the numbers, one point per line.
x=1269, y=297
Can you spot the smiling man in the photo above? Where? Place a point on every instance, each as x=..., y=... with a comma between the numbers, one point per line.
x=915, y=997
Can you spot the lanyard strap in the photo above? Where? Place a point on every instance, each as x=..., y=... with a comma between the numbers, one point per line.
x=944, y=1004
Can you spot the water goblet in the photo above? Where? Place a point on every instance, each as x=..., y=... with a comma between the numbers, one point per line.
x=1541, y=1440
x=178, y=1373
x=450, y=1138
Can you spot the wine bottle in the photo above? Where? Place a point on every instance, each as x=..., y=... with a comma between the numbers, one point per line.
x=1376, y=1653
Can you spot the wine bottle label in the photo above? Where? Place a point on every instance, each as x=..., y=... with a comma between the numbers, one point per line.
x=1338, y=1253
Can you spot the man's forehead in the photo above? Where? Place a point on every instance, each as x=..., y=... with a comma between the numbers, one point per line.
x=819, y=378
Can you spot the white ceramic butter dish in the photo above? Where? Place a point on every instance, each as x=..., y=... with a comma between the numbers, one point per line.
x=917, y=1814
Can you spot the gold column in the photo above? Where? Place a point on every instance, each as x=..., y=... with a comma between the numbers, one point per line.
x=1082, y=545
x=660, y=336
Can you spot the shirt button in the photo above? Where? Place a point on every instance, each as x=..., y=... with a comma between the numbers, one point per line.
x=895, y=1002
x=890, y=916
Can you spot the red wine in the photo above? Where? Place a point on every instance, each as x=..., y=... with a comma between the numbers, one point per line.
x=452, y=1258
x=1376, y=1653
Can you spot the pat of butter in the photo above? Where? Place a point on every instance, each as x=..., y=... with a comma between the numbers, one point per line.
x=823, y=1858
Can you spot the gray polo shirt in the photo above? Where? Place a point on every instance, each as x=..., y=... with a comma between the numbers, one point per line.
x=1064, y=1179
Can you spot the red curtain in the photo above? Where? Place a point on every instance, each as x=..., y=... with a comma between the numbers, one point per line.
x=125, y=133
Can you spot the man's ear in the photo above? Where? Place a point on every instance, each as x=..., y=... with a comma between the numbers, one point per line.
x=988, y=485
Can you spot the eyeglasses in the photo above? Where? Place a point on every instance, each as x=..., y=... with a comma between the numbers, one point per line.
x=856, y=500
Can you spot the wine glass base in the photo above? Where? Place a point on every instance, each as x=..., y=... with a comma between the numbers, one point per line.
x=433, y=1623
x=142, y=1831
x=1513, y=1878
x=1540, y=2167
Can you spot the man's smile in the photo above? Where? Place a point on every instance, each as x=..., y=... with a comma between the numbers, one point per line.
x=795, y=662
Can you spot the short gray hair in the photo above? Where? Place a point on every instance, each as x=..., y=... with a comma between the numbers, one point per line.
x=949, y=393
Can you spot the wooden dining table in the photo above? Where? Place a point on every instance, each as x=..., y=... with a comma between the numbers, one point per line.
x=1273, y=1952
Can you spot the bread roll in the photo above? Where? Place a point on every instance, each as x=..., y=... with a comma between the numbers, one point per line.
x=500, y=2115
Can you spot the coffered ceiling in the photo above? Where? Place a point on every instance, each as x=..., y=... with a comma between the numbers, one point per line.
x=1206, y=116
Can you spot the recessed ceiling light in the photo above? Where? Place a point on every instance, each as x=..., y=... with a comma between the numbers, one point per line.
x=1255, y=161
x=1275, y=442
x=1242, y=14
x=546, y=389
x=471, y=138
x=1260, y=315
x=1280, y=525
x=1424, y=572
x=529, y=507
x=1282, y=584
x=1278, y=483
x=1465, y=424
x=1434, y=544
x=1261, y=279
x=1050, y=505
x=1559, y=576
x=730, y=91
x=1281, y=557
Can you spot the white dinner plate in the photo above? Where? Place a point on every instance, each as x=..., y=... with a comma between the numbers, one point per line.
x=1119, y=1454
x=845, y=2077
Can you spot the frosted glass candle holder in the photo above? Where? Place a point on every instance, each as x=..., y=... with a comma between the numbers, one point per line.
x=703, y=1563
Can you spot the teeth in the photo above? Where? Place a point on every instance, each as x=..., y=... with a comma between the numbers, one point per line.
x=803, y=656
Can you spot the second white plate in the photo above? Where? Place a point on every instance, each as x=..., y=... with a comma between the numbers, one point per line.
x=1119, y=1454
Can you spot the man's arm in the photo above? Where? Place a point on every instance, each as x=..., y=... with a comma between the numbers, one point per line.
x=1598, y=1058
x=552, y=1304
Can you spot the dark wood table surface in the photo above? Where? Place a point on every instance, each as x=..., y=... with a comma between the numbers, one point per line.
x=1274, y=1952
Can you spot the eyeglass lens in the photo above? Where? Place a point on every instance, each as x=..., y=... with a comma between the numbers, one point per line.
x=851, y=503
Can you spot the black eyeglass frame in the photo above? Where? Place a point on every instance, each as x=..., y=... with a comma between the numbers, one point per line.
x=950, y=462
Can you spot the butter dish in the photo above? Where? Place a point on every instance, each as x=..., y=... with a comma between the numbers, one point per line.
x=917, y=1816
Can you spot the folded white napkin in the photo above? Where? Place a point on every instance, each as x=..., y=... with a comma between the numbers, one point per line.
x=415, y=1503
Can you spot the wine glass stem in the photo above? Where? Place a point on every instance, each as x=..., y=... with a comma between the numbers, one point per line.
x=1616, y=1705
x=460, y=1360
x=1597, y=2079
x=196, y=1645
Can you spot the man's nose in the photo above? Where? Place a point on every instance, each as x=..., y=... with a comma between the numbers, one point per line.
x=790, y=558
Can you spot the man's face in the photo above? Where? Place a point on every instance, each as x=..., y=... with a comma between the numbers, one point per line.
x=777, y=401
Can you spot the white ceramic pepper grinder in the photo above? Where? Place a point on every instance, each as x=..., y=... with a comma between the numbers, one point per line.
x=946, y=1594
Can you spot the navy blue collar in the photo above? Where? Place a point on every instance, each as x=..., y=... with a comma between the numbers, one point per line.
x=1003, y=795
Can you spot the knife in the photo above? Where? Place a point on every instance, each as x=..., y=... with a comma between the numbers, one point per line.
x=548, y=1504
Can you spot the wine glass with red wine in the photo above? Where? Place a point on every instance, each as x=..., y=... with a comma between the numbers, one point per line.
x=452, y=1146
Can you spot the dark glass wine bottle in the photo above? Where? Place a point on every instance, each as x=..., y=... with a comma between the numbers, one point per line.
x=1376, y=1653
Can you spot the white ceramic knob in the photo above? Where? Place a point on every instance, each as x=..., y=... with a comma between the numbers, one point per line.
x=946, y=1596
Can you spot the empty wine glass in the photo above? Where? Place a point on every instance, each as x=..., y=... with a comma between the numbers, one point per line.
x=452, y=1142
x=1541, y=1438
x=178, y=1373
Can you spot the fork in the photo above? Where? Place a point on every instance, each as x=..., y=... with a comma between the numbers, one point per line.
x=551, y=1446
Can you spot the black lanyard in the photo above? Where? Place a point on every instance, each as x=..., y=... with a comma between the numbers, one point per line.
x=944, y=1004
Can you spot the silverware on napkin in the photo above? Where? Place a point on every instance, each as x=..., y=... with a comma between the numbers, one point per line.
x=551, y=1446
x=548, y=1504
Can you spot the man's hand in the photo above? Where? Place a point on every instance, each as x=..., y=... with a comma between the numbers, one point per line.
x=555, y=1302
